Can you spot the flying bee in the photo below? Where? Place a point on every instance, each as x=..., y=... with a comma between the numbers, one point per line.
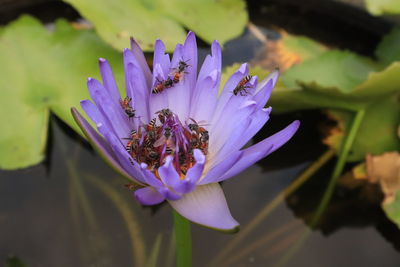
x=241, y=87
x=178, y=72
x=125, y=104
x=162, y=85
x=163, y=114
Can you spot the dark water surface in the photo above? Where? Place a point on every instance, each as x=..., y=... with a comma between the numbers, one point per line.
x=73, y=210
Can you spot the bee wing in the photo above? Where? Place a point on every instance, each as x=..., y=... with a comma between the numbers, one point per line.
x=203, y=123
x=159, y=142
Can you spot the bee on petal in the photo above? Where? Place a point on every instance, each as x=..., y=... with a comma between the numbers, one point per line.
x=242, y=86
x=125, y=104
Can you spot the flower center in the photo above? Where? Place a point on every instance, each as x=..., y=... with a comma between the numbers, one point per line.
x=155, y=141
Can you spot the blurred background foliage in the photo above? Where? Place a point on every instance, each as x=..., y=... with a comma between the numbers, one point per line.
x=44, y=68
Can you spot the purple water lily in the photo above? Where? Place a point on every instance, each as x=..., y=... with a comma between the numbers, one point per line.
x=174, y=136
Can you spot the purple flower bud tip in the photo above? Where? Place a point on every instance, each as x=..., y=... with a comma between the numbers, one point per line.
x=102, y=60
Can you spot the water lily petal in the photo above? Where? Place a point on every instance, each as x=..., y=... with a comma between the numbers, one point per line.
x=229, y=86
x=212, y=62
x=168, y=174
x=112, y=113
x=98, y=143
x=108, y=80
x=264, y=89
x=260, y=150
x=158, y=101
x=138, y=53
x=136, y=85
x=242, y=134
x=190, y=55
x=202, y=108
x=193, y=175
x=220, y=134
x=181, y=89
x=149, y=177
x=220, y=169
x=123, y=157
x=148, y=196
x=207, y=206
x=160, y=57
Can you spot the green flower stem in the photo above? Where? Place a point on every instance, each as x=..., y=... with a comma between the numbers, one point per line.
x=344, y=153
x=183, y=241
x=348, y=143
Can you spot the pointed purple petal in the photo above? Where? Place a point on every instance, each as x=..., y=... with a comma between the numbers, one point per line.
x=98, y=143
x=123, y=157
x=227, y=98
x=221, y=168
x=180, y=90
x=190, y=55
x=168, y=174
x=138, y=53
x=160, y=57
x=193, y=175
x=218, y=132
x=204, y=105
x=264, y=89
x=243, y=133
x=111, y=111
x=212, y=62
x=149, y=177
x=207, y=206
x=158, y=101
x=108, y=80
x=260, y=150
x=148, y=196
x=136, y=85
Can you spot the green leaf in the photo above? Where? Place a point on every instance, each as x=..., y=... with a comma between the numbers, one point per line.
x=380, y=7
x=42, y=71
x=116, y=21
x=302, y=46
x=333, y=69
x=392, y=210
x=388, y=49
x=377, y=133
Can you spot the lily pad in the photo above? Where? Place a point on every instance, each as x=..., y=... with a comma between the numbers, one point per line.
x=42, y=71
x=388, y=49
x=116, y=21
x=377, y=132
x=380, y=7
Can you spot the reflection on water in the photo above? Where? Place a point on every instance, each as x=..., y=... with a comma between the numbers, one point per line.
x=76, y=212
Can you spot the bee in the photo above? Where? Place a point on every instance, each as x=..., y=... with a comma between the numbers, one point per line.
x=165, y=139
x=125, y=104
x=150, y=137
x=179, y=71
x=196, y=128
x=131, y=186
x=169, y=150
x=162, y=85
x=242, y=86
x=133, y=142
x=163, y=114
x=151, y=126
